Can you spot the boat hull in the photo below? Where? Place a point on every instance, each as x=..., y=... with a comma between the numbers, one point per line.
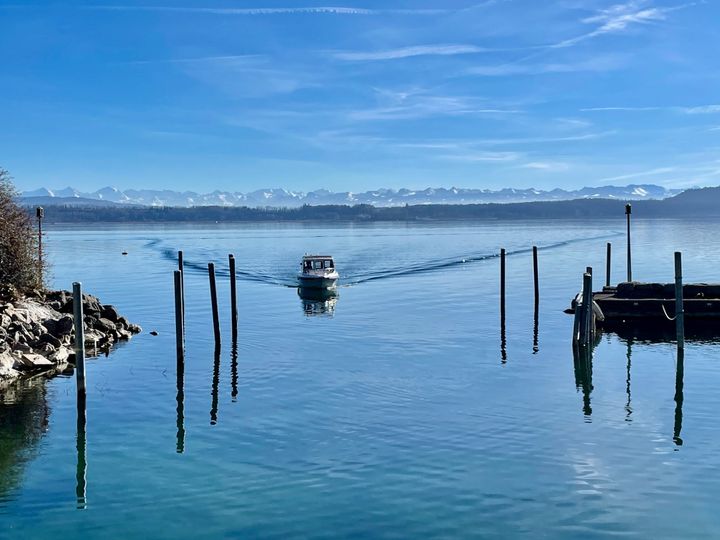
x=317, y=282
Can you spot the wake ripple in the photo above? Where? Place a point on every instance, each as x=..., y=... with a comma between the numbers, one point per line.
x=349, y=280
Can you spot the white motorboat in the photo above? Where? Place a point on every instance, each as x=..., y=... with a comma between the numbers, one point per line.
x=317, y=272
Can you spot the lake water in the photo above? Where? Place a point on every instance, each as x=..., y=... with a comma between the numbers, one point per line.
x=392, y=411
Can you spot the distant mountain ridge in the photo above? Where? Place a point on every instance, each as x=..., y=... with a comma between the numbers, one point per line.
x=278, y=197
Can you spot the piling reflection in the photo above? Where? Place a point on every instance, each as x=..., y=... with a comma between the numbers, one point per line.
x=503, y=339
x=234, y=370
x=582, y=358
x=536, y=326
x=24, y=419
x=215, y=386
x=81, y=445
x=180, y=398
x=679, y=376
x=318, y=302
x=628, y=404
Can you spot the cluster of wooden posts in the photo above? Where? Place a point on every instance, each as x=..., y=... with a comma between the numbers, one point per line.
x=179, y=281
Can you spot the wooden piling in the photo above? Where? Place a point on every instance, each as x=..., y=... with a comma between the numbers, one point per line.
x=608, y=257
x=679, y=304
x=79, y=320
x=590, y=313
x=181, y=268
x=502, y=283
x=214, y=300
x=585, y=315
x=628, y=211
x=179, y=331
x=536, y=276
x=233, y=298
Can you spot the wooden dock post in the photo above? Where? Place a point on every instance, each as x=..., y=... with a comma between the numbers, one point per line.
x=608, y=258
x=233, y=298
x=628, y=211
x=586, y=312
x=181, y=268
x=679, y=304
x=502, y=283
x=214, y=300
x=79, y=319
x=536, y=276
x=179, y=323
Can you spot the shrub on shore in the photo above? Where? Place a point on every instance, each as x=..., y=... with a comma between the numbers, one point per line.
x=19, y=259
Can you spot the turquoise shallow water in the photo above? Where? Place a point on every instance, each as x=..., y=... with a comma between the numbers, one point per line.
x=389, y=412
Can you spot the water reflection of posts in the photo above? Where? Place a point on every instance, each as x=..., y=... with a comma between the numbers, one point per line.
x=234, y=371
x=679, y=375
x=628, y=407
x=81, y=446
x=215, y=385
x=180, y=398
x=582, y=357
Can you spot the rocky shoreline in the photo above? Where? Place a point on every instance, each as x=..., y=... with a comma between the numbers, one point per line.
x=37, y=334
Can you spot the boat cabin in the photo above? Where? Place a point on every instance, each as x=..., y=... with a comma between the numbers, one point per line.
x=317, y=262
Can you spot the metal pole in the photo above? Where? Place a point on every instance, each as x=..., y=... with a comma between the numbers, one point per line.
x=179, y=337
x=233, y=298
x=628, y=211
x=607, y=264
x=214, y=300
x=79, y=337
x=679, y=304
x=535, y=276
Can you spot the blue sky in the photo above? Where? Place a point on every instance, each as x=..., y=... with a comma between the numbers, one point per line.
x=238, y=96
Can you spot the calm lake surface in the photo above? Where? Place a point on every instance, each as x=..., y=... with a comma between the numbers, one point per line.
x=389, y=412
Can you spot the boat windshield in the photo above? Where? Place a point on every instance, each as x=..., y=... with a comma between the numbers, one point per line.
x=318, y=264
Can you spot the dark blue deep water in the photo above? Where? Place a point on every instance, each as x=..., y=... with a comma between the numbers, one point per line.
x=392, y=411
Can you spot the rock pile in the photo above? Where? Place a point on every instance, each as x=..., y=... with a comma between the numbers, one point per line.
x=38, y=334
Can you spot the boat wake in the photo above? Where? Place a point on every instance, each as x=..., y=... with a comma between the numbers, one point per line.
x=349, y=277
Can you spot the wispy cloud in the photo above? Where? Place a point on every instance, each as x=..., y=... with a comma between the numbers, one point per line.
x=407, y=52
x=482, y=157
x=600, y=64
x=651, y=172
x=476, y=143
x=418, y=104
x=702, y=109
x=548, y=166
x=619, y=18
x=321, y=10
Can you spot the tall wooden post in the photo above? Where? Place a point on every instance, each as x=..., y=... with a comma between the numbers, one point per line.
x=628, y=211
x=79, y=317
x=608, y=258
x=214, y=301
x=233, y=298
x=536, y=278
x=179, y=331
x=502, y=283
x=584, y=320
x=679, y=304
x=181, y=268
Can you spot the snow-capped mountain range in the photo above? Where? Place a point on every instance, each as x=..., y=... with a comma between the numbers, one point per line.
x=278, y=197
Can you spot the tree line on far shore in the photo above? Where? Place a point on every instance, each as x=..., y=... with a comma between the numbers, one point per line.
x=692, y=203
